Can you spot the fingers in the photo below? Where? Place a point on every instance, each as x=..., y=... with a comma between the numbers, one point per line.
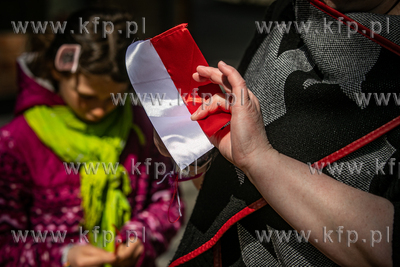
x=238, y=84
x=88, y=255
x=129, y=254
x=200, y=79
x=225, y=75
x=232, y=81
x=218, y=103
x=212, y=74
x=98, y=256
x=105, y=257
x=138, y=251
x=126, y=251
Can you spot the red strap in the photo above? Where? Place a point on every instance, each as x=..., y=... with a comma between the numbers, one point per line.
x=358, y=143
x=382, y=41
x=210, y=243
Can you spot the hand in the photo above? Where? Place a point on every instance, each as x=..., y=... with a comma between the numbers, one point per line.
x=246, y=141
x=128, y=254
x=88, y=255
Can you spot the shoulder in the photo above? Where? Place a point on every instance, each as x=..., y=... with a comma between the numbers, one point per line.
x=14, y=146
x=14, y=134
x=18, y=139
x=278, y=11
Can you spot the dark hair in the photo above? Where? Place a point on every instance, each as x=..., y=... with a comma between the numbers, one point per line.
x=100, y=55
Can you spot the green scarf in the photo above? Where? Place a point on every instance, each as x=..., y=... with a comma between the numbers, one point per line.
x=74, y=141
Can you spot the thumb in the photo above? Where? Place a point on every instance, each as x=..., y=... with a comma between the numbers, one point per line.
x=238, y=84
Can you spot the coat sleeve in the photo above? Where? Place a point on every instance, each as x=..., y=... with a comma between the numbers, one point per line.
x=20, y=245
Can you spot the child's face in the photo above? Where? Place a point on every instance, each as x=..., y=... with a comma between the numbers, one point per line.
x=89, y=96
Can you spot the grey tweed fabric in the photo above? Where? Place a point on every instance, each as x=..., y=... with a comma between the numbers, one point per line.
x=344, y=60
x=309, y=84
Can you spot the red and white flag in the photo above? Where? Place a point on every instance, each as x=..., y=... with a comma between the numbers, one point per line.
x=160, y=70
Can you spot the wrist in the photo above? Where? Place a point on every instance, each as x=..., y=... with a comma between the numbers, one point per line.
x=260, y=162
x=64, y=256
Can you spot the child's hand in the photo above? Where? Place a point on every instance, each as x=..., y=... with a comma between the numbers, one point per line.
x=88, y=255
x=128, y=255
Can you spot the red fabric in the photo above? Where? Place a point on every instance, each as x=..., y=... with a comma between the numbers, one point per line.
x=210, y=243
x=181, y=56
x=382, y=41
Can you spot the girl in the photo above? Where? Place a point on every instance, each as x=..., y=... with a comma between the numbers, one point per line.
x=60, y=181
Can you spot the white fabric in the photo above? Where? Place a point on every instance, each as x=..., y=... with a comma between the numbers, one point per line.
x=183, y=138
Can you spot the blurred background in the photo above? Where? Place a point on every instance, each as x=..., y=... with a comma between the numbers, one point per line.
x=222, y=30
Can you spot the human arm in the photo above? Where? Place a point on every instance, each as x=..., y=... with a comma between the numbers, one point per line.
x=305, y=201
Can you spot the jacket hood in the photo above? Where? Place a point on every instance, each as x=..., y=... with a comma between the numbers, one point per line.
x=32, y=90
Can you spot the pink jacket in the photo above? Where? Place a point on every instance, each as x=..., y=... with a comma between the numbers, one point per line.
x=37, y=194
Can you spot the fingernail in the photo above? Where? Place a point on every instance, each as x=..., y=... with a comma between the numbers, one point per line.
x=194, y=115
x=200, y=66
x=223, y=63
